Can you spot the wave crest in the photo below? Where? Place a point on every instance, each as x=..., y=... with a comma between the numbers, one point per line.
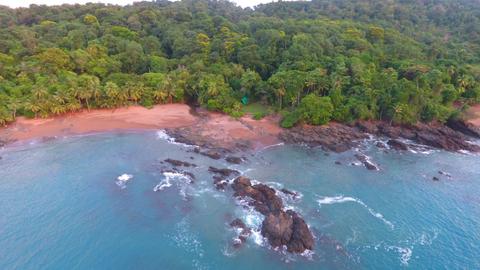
x=343, y=199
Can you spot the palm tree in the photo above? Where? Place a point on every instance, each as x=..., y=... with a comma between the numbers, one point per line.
x=14, y=104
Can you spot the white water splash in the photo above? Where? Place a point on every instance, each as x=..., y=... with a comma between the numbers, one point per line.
x=162, y=135
x=405, y=253
x=253, y=219
x=123, y=179
x=169, y=177
x=272, y=146
x=342, y=199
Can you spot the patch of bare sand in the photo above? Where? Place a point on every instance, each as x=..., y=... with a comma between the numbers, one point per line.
x=215, y=128
x=130, y=118
x=473, y=115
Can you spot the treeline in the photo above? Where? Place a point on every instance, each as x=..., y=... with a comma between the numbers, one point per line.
x=400, y=61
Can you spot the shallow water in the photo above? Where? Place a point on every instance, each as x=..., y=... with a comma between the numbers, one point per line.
x=63, y=206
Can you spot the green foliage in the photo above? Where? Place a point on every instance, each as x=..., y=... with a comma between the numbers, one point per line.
x=318, y=60
x=316, y=110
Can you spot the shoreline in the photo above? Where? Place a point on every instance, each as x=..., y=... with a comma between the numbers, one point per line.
x=215, y=129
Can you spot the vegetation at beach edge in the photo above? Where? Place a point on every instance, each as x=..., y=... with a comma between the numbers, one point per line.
x=401, y=61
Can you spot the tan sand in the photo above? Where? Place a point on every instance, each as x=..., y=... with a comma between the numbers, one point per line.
x=212, y=126
x=131, y=118
x=473, y=115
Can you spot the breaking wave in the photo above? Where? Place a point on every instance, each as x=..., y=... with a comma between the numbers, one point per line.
x=342, y=199
x=123, y=179
x=162, y=135
x=181, y=178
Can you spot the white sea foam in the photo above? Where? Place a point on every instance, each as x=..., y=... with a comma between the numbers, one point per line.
x=343, y=199
x=272, y=146
x=169, y=177
x=123, y=179
x=405, y=253
x=162, y=135
x=253, y=220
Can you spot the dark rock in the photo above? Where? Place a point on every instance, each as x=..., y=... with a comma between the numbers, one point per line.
x=288, y=192
x=302, y=237
x=289, y=229
x=233, y=160
x=213, y=154
x=381, y=145
x=280, y=227
x=367, y=127
x=179, y=163
x=223, y=172
x=435, y=178
x=366, y=162
x=244, y=232
x=264, y=198
x=338, y=162
x=445, y=173
x=219, y=182
x=333, y=137
x=338, y=137
x=238, y=223
x=397, y=145
x=463, y=127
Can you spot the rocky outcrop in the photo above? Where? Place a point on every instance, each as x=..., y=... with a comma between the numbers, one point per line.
x=243, y=234
x=334, y=136
x=338, y=137
x=464, y=127
x=234, y=160
x=280, y=227
x=179, y=163
x=221, y=175
x=367, y=162
x=397, y=145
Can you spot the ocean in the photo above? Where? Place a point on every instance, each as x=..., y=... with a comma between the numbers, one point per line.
x=102, y=202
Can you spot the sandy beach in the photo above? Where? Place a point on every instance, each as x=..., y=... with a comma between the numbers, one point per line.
x=473, y=115
x=211, y=126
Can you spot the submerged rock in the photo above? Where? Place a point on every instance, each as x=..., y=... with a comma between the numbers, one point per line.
x=397, y=145
x=221, y=175
x=366, y=162
x=179, y=163
x=244, y=232
x=234, y=160
x=223, y=172
x=213, y=154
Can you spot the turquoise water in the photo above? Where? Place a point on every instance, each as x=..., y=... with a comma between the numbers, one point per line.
x=61, y=208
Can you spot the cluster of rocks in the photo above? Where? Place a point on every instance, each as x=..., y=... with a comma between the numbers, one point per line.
x=220, y=178
x=179, y=163
x=365, y=160
x=281, y=227
x=245, y=232
x=434, y=135
x=339, y=137
x=333, y=137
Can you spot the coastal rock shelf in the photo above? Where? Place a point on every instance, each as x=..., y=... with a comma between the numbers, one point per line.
x=340, y=138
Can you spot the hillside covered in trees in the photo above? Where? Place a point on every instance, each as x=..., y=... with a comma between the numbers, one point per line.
x=399, y=60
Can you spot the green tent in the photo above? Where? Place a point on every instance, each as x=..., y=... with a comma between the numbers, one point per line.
x=244, y=100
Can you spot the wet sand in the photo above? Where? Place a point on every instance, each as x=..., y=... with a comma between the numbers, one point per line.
x=212, y=126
